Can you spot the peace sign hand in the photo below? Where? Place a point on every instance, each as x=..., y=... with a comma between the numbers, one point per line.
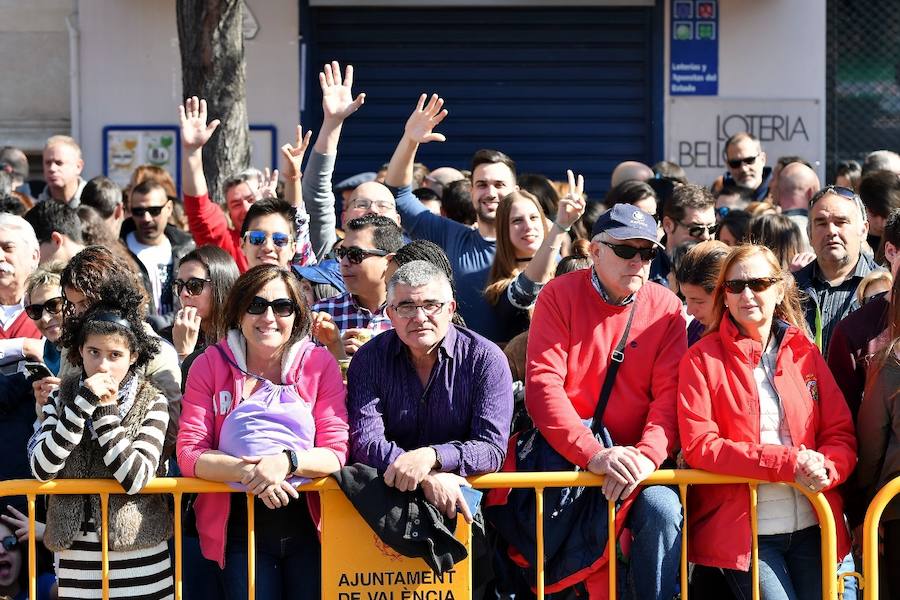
x=572, y=205
x=293, y=155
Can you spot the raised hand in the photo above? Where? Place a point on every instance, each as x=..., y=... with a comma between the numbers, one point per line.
x=572, y=205
x=293, y=155
x=195, y=131
x=423, y=120
x=337, y=97
x=268, y=184
x=186, y=330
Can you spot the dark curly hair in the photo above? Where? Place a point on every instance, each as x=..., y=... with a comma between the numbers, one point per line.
x=107, y=317
x=100, y=275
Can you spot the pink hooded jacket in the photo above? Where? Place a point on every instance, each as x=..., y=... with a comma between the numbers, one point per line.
x=214, y=388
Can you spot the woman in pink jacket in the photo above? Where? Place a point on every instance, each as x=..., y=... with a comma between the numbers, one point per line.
x=756, y=399
x=262, y=409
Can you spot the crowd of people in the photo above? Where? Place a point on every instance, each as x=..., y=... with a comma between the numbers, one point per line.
x=404, y=327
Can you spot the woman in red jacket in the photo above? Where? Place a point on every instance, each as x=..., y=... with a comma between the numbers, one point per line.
x=756, y=399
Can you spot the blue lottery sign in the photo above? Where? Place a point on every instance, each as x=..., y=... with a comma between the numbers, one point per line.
x=694, y=48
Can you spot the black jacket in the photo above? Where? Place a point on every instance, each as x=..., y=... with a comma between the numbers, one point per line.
x=405, y=521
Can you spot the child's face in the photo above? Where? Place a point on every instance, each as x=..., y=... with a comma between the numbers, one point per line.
x=108, y=354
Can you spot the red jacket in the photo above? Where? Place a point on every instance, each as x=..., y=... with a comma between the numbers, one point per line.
x=718, y=419
x=208, y=226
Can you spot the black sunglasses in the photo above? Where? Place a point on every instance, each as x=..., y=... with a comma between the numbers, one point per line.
x=357, y=255
x=53, y=306
x=140, y=211
x=10, y=542
x=629, y=252
x=736, y=162
x=757, y=284
x=696, y=231
x=843, y=192
x=282, y=307
x=194, y=286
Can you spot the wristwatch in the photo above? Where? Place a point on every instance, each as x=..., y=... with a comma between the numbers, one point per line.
x=293, y=459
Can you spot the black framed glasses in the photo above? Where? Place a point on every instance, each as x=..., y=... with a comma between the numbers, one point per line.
x=408, y=310
x=54, y=306
x=695, y=230
x=628, y=252
x=10, y=542
x=734, y=163
x=282, y=307
x=839, y=190
x=756, y=284
x=356, y=255
x=258, y=238
x=154, y=211
x=193, y=285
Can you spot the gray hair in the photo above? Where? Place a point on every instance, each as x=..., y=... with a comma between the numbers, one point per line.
x=415, y=274
x=22, y=227
x=881, y=160
x=244, y=176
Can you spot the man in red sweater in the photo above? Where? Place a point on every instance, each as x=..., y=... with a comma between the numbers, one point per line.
x=19, y=255
x=578, y=321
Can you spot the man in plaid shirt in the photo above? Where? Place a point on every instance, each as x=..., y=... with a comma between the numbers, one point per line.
x=368, y=246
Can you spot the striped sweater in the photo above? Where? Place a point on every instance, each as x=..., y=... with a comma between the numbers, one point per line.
x=132, y=462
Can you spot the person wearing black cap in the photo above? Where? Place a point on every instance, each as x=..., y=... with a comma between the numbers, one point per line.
x=581, y=320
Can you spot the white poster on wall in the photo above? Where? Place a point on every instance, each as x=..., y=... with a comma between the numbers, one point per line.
x=698, y=128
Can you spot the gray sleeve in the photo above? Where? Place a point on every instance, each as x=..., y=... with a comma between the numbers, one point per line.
x=319, y=200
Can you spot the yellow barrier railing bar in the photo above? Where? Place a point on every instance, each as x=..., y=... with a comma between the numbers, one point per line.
x=754, y=541
x=104, y=544
x=536, y=481
x=870, y=536
x=611, y=547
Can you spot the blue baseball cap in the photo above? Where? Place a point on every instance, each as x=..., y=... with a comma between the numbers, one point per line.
x=626, y=222
x=328, y=271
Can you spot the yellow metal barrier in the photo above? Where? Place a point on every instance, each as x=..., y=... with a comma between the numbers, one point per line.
x=177, y=487
x=870, y=536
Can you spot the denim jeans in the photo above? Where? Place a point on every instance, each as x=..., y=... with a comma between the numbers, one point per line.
x=655, y=521
x=287, y=567
x=789, y=568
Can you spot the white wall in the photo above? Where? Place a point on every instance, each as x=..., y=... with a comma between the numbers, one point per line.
x=131, y=68
x=769, y=50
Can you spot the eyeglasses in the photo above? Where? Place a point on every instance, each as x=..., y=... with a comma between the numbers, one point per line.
x=757, y=284
x=365, y=204
x=357, y=255
x=258, y=238
x=843, y=192
x=194, y=286
x=737, y=162
x=10, y=542
x=140, y=211
x=695, y=230
x=53, y=306
x=408, y=310
x=628, y=252
x=282, y=307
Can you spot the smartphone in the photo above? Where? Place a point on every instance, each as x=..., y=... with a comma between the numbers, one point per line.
x=472, y=498
x=37, y=370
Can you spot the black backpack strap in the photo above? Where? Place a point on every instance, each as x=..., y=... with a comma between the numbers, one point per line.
x=618, y=355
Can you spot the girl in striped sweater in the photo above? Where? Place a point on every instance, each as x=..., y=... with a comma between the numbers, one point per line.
x=107, y=422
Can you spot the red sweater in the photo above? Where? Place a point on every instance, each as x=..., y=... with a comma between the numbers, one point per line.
x=21, y=327
x=208, y=226
x=573, y=332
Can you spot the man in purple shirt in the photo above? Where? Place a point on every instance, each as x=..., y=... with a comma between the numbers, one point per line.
x=429, y=403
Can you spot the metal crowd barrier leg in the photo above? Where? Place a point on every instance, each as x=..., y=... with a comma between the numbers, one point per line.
x=870, y=536
x=682, y=492
x=754, y=541
x=251, y=549
x=177, y=558
x=32, y=551
x=611, y=547
x=104, y=544
x=539, y=534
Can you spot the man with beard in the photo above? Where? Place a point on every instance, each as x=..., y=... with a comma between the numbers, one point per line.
x=746, y=165
x=470, y=250
x=157, y=247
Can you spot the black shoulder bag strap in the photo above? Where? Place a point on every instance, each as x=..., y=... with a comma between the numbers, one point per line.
x=618, y=355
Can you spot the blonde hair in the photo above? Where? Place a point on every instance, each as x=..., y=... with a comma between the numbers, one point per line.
x=787, y=310
x=45, y=275
x=868, y=280
x=506, y=266
x=65, y=140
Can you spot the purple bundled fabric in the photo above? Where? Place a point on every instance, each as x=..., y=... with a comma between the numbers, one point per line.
x=273, y=419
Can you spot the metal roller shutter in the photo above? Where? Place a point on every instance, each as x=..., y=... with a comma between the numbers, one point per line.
x=554, y=88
